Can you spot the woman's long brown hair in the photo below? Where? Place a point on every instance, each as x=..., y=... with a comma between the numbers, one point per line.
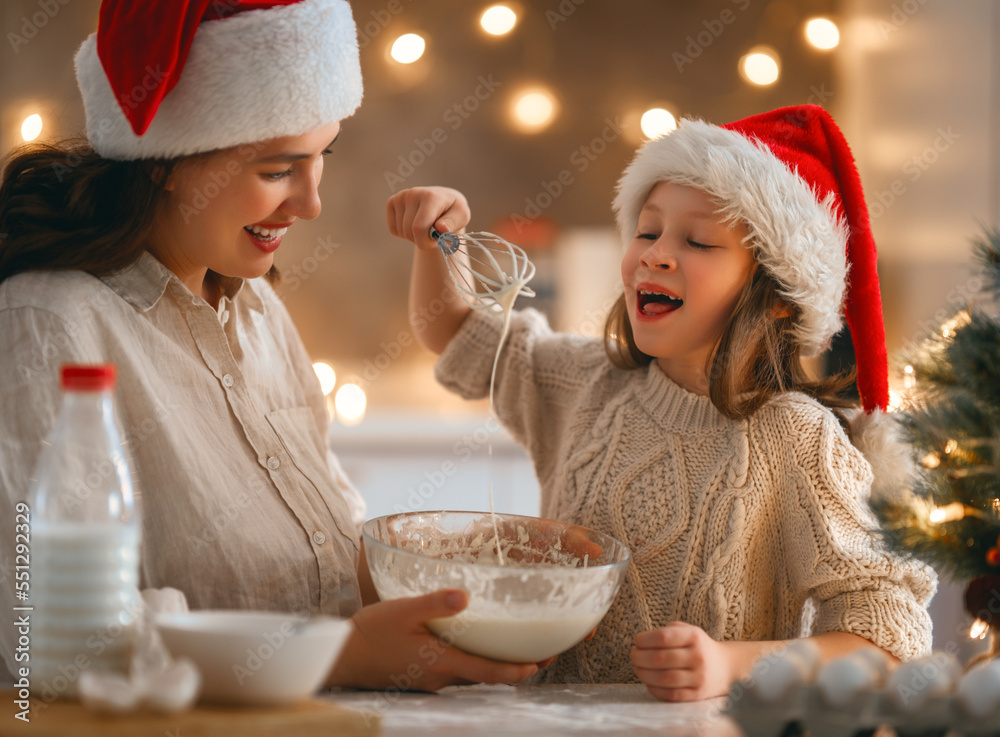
x=66, y=207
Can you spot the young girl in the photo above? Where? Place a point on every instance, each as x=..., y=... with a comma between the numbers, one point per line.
x=146, y=248
x=691, y=432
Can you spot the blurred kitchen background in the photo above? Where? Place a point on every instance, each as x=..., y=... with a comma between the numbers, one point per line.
x=533, y=110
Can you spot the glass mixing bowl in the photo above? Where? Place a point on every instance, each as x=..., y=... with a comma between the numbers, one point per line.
x=543, y=592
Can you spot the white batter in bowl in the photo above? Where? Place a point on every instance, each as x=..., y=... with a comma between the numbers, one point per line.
x=553, y=586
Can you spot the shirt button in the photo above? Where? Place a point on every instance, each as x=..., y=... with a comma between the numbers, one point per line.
x=228, y=380
x=319, y=538
x=225, y=317
x=273, y=463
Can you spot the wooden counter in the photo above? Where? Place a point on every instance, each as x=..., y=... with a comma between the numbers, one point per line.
x=549, y=710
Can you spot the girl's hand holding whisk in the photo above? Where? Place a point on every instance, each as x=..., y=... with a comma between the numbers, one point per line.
x=412, y=213
x=437, y=311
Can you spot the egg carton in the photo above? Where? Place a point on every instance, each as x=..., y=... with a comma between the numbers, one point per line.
x=789, y=693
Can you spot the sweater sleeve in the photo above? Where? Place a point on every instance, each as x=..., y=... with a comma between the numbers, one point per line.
x=835, y=555
x=539, y=375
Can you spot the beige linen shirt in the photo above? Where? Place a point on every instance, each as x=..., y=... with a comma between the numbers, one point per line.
x=242, y=505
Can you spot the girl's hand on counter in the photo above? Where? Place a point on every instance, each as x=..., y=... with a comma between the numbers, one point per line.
x=680, y=662
x=392, y=647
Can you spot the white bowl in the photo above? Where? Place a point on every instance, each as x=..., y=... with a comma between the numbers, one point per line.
x=556, y=584
x=250, y=657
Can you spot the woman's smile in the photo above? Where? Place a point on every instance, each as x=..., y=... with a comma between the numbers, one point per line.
x=267, y=236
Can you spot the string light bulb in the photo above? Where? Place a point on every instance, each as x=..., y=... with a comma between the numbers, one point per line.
x=895, y=401
x=949, y=513
x=978, y=630
x=959, y=320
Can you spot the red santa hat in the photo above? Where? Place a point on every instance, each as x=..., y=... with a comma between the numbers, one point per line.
x=167, y=78
x=790, y=176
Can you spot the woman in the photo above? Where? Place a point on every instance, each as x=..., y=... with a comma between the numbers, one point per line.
x=208, y=126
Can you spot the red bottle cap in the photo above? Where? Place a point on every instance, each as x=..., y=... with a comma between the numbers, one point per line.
x=96, y=377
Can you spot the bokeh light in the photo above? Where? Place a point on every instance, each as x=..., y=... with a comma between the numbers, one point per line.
x=657, y=122
x=408, y=48
x=326, y=375
x=822, y=33
x=350, y=402
x=498, y=20
x=760, y=67
x=31, y=128
x=534, y=110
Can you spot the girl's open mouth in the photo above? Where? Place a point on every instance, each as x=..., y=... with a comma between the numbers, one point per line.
x=653, y=304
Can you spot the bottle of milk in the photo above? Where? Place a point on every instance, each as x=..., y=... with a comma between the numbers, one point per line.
x=84, y=540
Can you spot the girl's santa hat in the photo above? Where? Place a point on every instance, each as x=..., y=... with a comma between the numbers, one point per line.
x=790, y=176
x=168, y=78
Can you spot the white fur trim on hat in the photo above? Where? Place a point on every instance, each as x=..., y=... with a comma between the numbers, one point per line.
x=881, y=439
x=280, y=71
x=801, y=241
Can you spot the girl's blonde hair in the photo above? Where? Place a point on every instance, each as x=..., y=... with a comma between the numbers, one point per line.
x=755, y=359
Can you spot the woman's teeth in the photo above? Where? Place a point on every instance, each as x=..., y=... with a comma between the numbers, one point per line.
x=265, y=234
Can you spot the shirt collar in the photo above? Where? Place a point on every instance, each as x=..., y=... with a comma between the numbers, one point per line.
x=233, y=286
x=143, y=282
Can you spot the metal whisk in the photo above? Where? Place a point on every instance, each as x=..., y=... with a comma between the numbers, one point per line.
x=485, y=268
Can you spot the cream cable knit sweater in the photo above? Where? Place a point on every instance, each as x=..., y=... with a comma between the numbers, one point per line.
x=751, y=530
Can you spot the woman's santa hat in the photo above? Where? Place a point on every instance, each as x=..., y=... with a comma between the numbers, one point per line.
x=168, y=78
x=790, y=176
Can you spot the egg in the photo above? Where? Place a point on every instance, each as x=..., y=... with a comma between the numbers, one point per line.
x=841, y=680
x=175, y=689
x=914, y=682
x=978, y=693
x=773, y=675
x=108, y=693
x=808, y=652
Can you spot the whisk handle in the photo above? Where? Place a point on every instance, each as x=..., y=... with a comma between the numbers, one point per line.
x=447, y=242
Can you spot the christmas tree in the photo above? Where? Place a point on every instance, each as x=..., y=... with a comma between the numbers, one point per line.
x=950, y=413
